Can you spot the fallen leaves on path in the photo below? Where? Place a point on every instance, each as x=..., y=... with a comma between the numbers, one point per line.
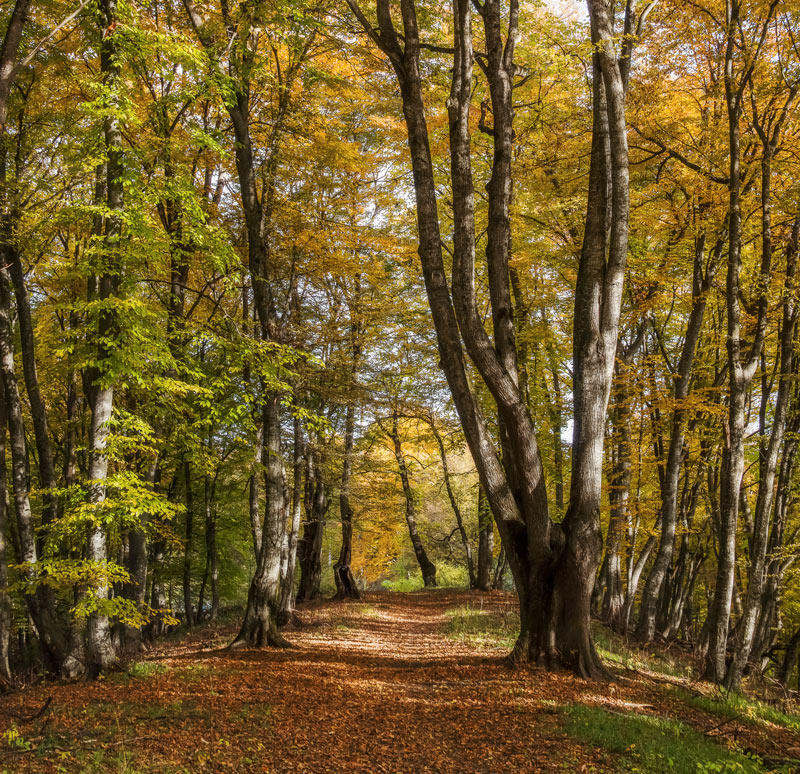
x=368, y=687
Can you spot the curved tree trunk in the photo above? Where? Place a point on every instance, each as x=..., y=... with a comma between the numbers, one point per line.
x=426, y=565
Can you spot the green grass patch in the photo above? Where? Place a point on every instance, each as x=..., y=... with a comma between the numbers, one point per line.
x=612, y=647
x=485, y=628
x=654, y=745
x=736, y=706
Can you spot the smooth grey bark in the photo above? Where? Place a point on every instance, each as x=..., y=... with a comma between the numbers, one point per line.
x=5, y=599
x=553, y=565
x=702, y=281
x=346, y=587
x=425, y=564
x=260, y=624
x=103, y=286
x=254, y=492
x=47, y=474
x=779, y=563
x=50, y=633
x=613, y=603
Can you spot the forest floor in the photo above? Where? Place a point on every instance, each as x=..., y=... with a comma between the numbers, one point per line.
x=410, y=682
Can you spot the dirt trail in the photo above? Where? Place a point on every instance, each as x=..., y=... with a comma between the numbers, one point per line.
x=371, y=687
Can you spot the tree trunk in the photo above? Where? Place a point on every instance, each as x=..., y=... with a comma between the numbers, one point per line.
x=5, y=599
x=342, y=574
x=287, y=583
x=790, y=659
x=254, y=491
x=500, y=570
x=426, y=566
x=309, y=549
x=768, y=457
x=188, y=610
x=260, y=625
x=483, y=579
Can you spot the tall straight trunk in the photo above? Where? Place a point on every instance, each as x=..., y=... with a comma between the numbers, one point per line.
x=136, y=565
x=296, y=505
x=500, y=569
x=47, y=474
x=779, y=564
x=483, y=577
x=260, y=625
x=254, y=492
x=211, y=571
x=5, y=599
x=741, y=365
x=613, y=605
x=346, y=587
x=454, y=503
x=701, y=285
x=187, y=544
x=102, y=288
x=309, y=549
x=53, y=642
x=425, y=564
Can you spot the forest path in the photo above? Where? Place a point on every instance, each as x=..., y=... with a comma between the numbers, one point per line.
x=385, y=685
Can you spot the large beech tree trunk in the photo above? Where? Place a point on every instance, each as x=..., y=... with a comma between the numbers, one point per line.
x=553, y=565
x=260, y=625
